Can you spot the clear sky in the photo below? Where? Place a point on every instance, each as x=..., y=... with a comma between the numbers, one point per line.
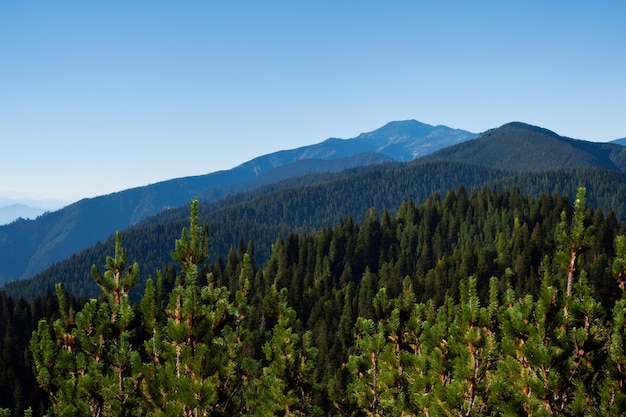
x=101, y=96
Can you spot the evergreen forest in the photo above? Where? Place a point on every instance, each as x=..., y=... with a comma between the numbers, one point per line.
x=482, y=301
x=304, y=205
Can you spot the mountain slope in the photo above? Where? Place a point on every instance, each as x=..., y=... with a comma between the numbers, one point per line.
x=261, y=215
x=313, y=202
x=296, y=169
x=400, y=140
x=27, y=247
x=521, y=147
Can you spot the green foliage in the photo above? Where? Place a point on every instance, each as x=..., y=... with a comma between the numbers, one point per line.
x=85, y=360
x=115, y=282
x=619, y=263
x=18, y=386
x=453, y=307
x=285, y=384
x=312, y=203
x=572, y=237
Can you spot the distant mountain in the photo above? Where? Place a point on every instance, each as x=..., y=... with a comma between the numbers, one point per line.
x=522, y=147
x=25, y=208
x=28, y=246
x=401, y=141
x=621, y=141
x=405, y=141
x=516, y=155
x=14, y=211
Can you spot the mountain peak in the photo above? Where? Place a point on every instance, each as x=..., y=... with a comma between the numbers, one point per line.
x=405, y=140
x=519, y=146
x=529, y=128
x=399, y=127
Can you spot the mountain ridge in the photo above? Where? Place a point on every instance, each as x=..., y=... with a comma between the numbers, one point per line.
x=27, y=247
x=309, y=199
x=522, y=147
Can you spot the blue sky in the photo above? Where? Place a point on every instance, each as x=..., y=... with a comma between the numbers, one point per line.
x=97, y=97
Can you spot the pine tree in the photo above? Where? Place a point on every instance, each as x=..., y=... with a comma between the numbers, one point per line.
x=286, y=384
x=572, y=237
x=613, y=394
x=121, y=355
x=195, y=366
x=373, y=382
x=379, y=384
x=619, y=263
x=585, y=345
x=86, y=361
x=473, y=350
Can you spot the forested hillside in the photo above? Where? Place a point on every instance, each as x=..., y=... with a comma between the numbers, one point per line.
x=522, y=147
x=29, y=246
x=476, y=302
x=261, y=216
x=313, y=202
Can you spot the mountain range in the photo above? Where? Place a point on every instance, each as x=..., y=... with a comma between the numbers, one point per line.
x=29, y=246
x=309, y=194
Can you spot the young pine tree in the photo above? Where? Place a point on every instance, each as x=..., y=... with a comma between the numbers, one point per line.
x=86, y=361
x=195, y=366
x=572, y=237
x=286, y=383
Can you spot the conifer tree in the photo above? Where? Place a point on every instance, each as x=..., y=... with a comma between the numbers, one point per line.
x=585, y=346
x=619, y=263
x=202, y=349
x=374, y=384
x=121, y=355
x=572, y=237
x=379, y=381
x=286, y=384
x=473, y=349
x=613, y=394
x=196, y=369
x=86, y=361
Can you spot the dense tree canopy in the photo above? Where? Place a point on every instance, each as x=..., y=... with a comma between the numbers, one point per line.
x=310, y=203
x=468, y=304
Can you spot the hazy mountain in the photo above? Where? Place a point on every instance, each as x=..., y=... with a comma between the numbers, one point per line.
x=400, y=141
x=522, y=147
x=621, y=141
x=24, y=208
x=405, y=141
x=28, y=246
x=14, y=211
